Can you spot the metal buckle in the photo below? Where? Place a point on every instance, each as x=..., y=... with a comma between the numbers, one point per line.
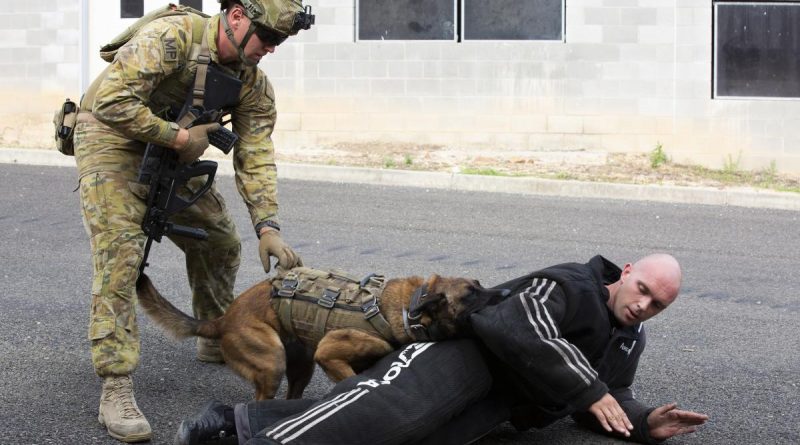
x=372, y=279
x=328, y=298
x=288, y=287
x=365, y=280
x=371, y=309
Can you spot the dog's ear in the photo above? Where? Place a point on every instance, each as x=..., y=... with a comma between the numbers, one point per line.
x=433, y=295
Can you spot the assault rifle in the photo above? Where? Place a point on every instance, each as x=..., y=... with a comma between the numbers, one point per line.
x=166, y=176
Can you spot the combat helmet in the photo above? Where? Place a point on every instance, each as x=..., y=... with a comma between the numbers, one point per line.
x=272, y=20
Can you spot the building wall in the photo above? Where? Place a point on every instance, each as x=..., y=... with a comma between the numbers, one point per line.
x=631, y=74
x=39, y=63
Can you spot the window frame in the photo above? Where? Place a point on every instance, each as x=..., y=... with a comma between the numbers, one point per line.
x=459, y=26
x=131, y=4
x=715, y=58
x=462, y=28
x=455, y=38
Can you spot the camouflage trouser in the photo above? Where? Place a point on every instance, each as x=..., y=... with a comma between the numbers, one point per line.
x=113, y=206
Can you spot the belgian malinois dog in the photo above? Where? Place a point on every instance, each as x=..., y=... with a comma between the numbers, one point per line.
x=256, y=346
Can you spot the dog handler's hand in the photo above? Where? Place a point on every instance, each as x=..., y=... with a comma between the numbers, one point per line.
x=611, y=416
x=271, y=244
x=197, y=142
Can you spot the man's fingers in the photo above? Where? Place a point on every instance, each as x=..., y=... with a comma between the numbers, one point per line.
x=693, y=420
x=619, y=422
x=661, y=410
x=611, y=416
x=691, y=417
x=685, y=430
x=622, y=425
x=284, y=259
x=604, y=423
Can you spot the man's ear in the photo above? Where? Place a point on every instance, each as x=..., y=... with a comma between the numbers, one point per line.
x=235, y=14
x=626, y=270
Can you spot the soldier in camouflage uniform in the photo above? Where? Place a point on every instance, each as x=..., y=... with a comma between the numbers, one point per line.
x=126, y=108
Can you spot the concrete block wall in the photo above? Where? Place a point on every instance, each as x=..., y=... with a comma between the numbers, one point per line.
x=39, y=65
x=630, y=74
x=39, y=44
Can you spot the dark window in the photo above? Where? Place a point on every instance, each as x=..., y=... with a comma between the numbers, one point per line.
x=757, y=49
x=406, y=19
x=131, y=9
x=513, y=19
x=196, y=4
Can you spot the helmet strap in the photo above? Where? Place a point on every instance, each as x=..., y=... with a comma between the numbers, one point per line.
x=238, y=45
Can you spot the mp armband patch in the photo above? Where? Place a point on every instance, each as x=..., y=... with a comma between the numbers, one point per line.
x=170, y=50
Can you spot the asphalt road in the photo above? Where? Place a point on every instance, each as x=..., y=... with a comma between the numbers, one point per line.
x=727, y=347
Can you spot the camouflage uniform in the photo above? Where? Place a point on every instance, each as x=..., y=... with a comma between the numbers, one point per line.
x=151, y=74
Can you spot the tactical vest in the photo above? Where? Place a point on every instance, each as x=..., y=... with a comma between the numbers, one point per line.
x=311, y=302
x=170, y=89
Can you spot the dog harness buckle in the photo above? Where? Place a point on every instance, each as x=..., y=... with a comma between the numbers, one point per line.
x=288, y=287
x=372, y=279
x=328, y=298
x=416, y=331
x=371, y=308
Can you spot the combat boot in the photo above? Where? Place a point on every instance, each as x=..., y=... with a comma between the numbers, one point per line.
x=208, y=350
x=213, y=424
x=119, y=412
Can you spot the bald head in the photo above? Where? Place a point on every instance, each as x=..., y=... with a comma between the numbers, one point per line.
x=645, y=288
x=664, y=269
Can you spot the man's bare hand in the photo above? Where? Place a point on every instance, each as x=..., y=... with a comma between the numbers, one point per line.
x=611, y=416
x=667, y=421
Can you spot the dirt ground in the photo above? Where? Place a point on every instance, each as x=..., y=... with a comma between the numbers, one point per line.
x=631, y=168
x=34, y=130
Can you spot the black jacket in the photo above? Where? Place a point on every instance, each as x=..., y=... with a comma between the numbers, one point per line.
x=559, y=348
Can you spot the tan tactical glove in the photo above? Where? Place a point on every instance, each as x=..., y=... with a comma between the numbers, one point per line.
x=197, y=143
x=271, y=244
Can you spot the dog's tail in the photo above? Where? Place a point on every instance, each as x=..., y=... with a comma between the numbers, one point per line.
x=170, y=318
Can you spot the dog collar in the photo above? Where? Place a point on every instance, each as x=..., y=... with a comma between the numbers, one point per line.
x=411, y=316
x=419, y=294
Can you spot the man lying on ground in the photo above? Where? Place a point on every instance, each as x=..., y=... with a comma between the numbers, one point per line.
x=566, y=342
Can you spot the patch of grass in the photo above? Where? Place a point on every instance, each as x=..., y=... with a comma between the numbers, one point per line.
x=408, y=160
x=782, y=188
x=481, y=171
x=767, y=176
x=730, y=165
x=723, y=176
x=658, y=157
x=389, y=163
x=565, y=175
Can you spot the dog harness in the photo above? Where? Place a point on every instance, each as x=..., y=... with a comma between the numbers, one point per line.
x=311, y=302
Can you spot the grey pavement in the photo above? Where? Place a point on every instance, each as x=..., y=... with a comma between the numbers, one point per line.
x=727, y=347
x=735, y=196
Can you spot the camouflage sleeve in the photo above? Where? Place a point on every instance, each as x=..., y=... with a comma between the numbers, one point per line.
x=254, y=155
x=159, y=49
